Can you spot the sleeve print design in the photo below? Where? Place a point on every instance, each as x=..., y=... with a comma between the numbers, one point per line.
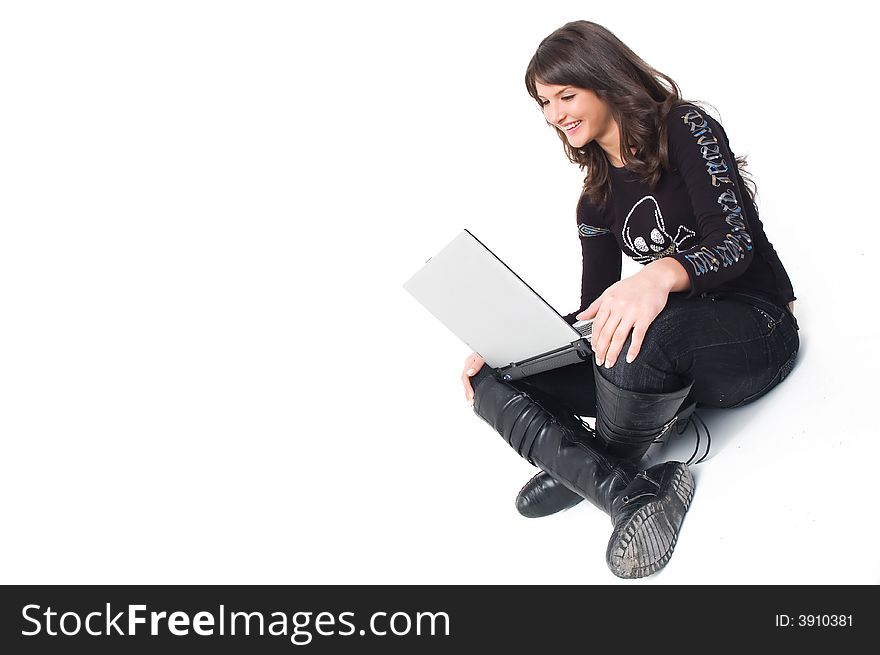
x=644, y=232
x=737, y=242
x=590, y=231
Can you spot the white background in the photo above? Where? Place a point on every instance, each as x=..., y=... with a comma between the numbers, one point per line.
x=210, y=371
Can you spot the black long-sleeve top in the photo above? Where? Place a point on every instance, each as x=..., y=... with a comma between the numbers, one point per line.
x=699, y=213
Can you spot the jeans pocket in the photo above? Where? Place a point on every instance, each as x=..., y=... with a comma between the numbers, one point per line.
x=768, y=313
x=770, y=320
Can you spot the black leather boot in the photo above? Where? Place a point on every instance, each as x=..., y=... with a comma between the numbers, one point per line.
x=647, y=516
x=630, y=421
x=639, y=502
x=542, y=495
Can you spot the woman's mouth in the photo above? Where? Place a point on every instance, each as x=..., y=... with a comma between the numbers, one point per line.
x=571, y=128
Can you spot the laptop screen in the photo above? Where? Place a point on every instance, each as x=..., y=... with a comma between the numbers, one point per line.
x=488, y=306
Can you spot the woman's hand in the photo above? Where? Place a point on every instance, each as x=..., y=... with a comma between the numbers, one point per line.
x=471, y=365
x=630, y=304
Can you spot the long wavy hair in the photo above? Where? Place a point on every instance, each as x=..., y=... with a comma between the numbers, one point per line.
x=589, y=56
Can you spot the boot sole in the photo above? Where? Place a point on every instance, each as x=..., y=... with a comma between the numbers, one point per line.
x=648, y=538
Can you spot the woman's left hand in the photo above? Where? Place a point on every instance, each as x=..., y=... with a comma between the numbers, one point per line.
x=631, y=304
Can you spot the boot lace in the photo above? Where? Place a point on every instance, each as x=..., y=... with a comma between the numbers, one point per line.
x=691, y=421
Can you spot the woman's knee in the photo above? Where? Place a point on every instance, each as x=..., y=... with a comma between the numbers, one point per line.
x=652, y=366
x=625, y=374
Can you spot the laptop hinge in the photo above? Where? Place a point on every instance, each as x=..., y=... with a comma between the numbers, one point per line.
x=546, y=361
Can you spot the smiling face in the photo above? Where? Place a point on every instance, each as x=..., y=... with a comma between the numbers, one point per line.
x=581, y=116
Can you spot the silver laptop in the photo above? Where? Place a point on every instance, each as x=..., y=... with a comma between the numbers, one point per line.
x=500, y=317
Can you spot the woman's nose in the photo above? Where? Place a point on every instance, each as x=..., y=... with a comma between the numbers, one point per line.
x=554, y=116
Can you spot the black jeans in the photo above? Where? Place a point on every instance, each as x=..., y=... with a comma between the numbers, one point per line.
x=734, y=346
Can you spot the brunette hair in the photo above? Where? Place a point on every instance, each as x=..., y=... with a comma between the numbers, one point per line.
x=589, y=56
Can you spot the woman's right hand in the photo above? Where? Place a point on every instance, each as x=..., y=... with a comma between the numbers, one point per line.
x=472, y=364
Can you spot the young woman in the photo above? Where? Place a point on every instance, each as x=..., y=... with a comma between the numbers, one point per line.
x=707, y=322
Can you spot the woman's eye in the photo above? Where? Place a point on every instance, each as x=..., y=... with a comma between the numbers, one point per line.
x=544, y=103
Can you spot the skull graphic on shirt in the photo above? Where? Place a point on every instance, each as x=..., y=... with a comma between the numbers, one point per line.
x=644, y=233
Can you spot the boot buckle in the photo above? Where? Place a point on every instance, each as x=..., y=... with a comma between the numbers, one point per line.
x=668, y=425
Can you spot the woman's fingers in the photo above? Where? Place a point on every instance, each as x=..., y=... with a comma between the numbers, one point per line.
x=620, y=336
x=466, y=381
x=598, y=325
x=636, y=344
x=472, y=365
x=468, y=390
x=606, y=332
x=625, y=304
